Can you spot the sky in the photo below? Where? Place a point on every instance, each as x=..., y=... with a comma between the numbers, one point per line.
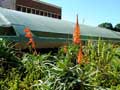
x=90, y=12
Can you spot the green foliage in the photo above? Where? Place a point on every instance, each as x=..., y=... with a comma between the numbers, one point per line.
x=8, y=53
x=8, y=58
x=106, y=25
x=117, y=27
x=100, y=70
x=110, y=26
x=104, y=59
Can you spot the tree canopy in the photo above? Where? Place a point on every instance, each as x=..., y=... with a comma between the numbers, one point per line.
x=117, y=27
x=106, y=25
x=110, y=26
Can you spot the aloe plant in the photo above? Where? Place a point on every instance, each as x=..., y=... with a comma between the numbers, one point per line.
x=8, y=58
x=100, y=69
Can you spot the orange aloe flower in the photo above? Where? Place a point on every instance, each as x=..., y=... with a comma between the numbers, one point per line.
x=80, y=56
x=77, y=40
x=26, y=30
x=65, y=48
x=31, y=42
x=28, y=35
x=76, y=33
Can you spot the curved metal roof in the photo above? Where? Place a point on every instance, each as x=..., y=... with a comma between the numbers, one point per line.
x=46, y=24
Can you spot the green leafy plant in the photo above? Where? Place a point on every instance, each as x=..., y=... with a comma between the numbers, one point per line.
x=8, y=58
x=100, y=69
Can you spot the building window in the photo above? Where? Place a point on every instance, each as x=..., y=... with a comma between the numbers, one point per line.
x=23, y=9
x=41, y=13
x=45, y=13
x=53, y=15
x=18, y=8
x=33, y=11
x=28, y=10
x=37, y=12
x=49, y=14
x=59, y=17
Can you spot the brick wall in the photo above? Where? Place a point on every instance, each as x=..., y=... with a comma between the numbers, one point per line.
x=41, y=6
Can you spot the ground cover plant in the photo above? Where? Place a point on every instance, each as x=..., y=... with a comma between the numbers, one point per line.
x=99, y=68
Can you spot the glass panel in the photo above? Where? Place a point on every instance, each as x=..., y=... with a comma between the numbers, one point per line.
x=53, y=35
x=41, y=13
x=59, y=17
x=33, y=11
x=7, y=31
x=24, y=9
x=28, y=10
x=18, y=8
x=37, y=12
x=49, y=15
x=53, y=15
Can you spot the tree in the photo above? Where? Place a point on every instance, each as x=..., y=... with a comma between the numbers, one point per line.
x=106, y=25
x=117, y=27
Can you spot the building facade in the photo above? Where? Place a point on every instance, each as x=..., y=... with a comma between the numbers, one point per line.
x=33, y=6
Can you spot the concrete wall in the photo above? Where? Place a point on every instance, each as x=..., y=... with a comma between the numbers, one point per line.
x=10, y=4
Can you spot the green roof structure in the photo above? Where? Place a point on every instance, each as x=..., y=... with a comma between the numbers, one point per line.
x=46, y=24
